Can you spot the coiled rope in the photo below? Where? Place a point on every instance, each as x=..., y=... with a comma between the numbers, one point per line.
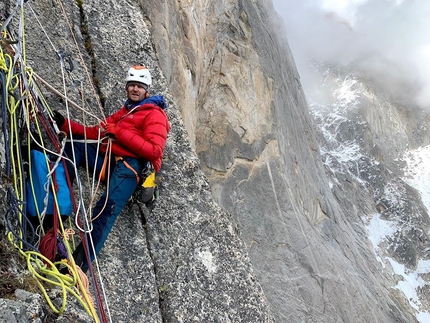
x=22, y=103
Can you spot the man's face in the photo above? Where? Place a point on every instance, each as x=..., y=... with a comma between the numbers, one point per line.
x=135, y=91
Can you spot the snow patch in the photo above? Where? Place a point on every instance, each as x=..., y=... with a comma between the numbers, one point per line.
x=417, y=172
x=347, y=94
x=379, y=229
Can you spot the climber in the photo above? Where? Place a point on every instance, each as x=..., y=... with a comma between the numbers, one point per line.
x=138, y=131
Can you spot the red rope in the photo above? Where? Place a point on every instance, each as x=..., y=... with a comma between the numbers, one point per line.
x=48, y=245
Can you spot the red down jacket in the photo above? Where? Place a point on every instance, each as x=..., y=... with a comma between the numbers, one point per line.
x=141, y=131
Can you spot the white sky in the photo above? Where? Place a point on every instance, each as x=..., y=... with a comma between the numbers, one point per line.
x=388, y=39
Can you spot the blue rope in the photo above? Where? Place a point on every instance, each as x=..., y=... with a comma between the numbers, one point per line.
x=12, y=215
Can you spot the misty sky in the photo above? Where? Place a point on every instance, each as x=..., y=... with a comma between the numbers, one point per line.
x=388, y=39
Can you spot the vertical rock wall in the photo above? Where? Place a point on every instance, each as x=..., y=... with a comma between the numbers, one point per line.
x=244, y=108
x=238, y=113
x=183, y=261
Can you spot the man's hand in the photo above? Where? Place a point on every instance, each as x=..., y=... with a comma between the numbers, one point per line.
x=58, y=118
x=111, y=129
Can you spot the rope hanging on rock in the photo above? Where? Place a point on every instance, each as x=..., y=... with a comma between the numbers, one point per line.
x=25, y=111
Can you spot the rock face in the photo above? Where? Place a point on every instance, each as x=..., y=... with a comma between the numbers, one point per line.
x=247, y=228
x=188, y=263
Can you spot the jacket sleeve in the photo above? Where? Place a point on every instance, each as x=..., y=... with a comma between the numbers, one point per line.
x=91, y=132
x=150, y=139
x=79, y=130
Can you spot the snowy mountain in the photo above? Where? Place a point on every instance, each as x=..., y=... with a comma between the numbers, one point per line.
x=362, y=140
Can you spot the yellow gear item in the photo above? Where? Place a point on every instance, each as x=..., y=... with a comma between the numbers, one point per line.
x=148, y=189
x=150, y=181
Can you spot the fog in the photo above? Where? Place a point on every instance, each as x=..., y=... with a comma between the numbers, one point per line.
x=386, y=40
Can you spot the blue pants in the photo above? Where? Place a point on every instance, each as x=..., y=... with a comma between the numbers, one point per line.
x=122, y=184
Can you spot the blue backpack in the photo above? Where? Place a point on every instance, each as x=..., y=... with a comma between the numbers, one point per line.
x=38, y=173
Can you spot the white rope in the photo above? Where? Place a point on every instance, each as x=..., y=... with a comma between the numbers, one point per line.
x=19, y=56
x=43, y=29
x=97, y=99
x=85, y=217
x=62, y=65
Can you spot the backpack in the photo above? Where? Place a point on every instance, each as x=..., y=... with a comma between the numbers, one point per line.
x=42, y=187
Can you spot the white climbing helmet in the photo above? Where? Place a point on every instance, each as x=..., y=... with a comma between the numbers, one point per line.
x=139, y=73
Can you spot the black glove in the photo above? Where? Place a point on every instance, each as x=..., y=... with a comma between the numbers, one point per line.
x=58, y=118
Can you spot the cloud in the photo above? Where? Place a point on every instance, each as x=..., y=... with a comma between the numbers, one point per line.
x=387, y=40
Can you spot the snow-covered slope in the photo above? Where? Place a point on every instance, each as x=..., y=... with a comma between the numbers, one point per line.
x=372, y=141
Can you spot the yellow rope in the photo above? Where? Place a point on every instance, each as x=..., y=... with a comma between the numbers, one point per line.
x=40, y=267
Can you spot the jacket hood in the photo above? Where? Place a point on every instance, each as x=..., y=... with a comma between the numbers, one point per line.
x=155, y=99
